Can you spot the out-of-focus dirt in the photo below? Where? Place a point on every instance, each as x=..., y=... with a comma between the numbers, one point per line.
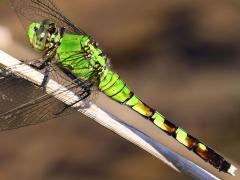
x=180, y=56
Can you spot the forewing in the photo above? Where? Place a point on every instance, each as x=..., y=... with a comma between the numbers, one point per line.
x=23, y=103
x=36, y=10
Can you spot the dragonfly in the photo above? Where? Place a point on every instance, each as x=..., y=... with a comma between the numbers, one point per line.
x=75, y=58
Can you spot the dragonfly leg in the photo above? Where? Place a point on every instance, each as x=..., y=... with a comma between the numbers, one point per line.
x=41, y=64
x=38, y=64
x=82, y=96
x=46, y=75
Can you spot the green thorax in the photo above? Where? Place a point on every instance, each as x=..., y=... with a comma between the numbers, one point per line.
x=77, y=54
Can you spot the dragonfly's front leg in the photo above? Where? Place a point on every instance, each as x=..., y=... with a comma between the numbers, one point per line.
x=41, y=64
x=46, y=75
x=38, y=64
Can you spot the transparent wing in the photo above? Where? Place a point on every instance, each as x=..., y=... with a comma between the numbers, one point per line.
x=36, y=10
x=23, y=103
x=77, y=85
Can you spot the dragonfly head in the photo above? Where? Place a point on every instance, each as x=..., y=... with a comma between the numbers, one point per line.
x=42, y=35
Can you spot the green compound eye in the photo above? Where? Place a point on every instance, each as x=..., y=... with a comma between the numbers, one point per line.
x=32, y=30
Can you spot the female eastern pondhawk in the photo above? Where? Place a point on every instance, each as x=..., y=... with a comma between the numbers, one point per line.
x=71, y=54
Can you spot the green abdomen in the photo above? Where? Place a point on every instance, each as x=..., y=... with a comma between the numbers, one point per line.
x=114, y=87
x=71, y=54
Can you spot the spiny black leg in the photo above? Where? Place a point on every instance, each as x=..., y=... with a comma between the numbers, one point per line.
x=32, y=62
x=22, y=61
x=44, y=65
x=62, y=30
x=46, y=75
x=39, y=65
x=83, y=96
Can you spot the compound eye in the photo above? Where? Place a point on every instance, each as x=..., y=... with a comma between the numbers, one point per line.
x=35, y=29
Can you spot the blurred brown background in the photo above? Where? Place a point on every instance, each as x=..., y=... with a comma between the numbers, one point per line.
x=180, y=56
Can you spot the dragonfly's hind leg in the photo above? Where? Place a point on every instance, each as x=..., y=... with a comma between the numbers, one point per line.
x=82, y=96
